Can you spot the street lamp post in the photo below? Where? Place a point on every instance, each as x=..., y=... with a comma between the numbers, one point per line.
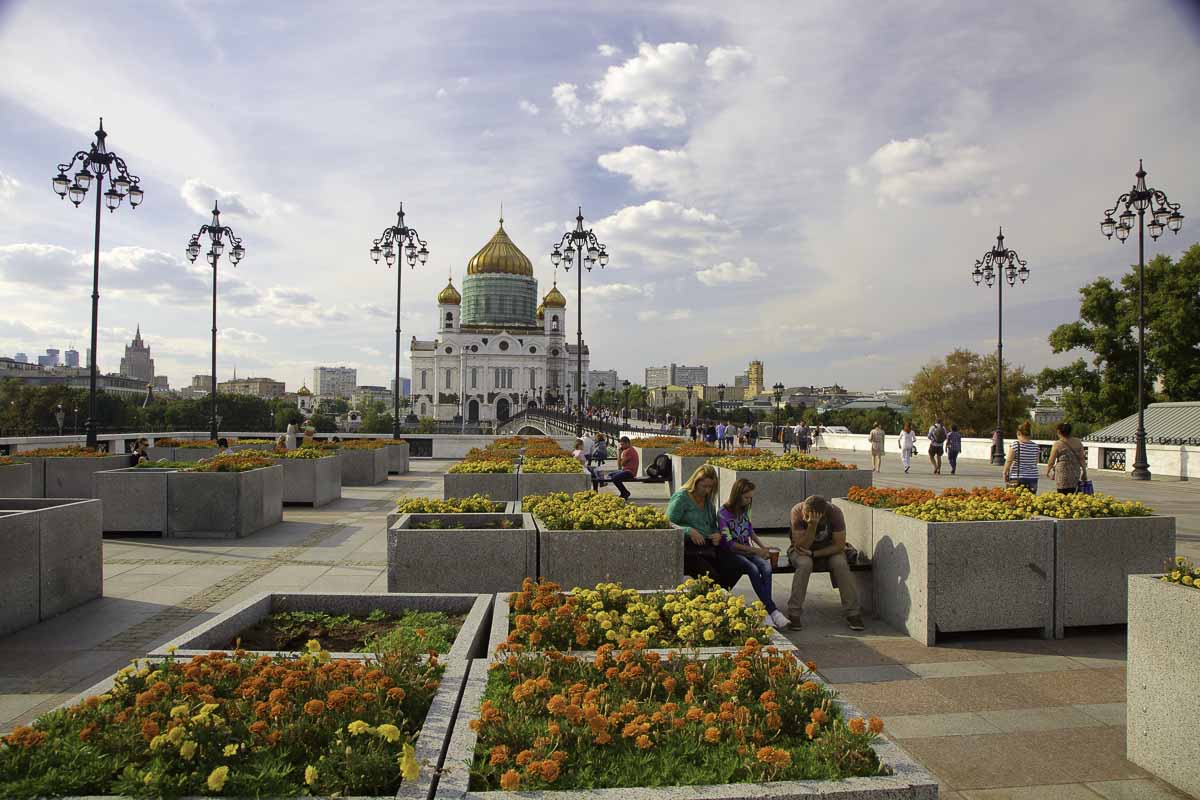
x=778, y=387
x=405, y=242
x=626, y=385
x=721, y=396
x=94, y=164
x=59, y=417
x=689, y=405
x=76, y=420
x=1010, y=266
x=581, y=245
x=1166, y=215
x=217, y=234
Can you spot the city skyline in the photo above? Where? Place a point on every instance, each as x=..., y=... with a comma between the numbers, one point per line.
x=692, y=136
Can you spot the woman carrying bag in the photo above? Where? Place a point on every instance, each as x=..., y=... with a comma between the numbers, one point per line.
x=1067, y=464
x=908, y=445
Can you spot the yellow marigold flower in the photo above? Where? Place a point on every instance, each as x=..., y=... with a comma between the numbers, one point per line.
x=176, y=734
x=709, y=635
x=389, y=732
x=148, y=778
x=409, y=768
x=231, y=750
x=188, y=749
x=217, y=778
x=171, y=649
x=312, y=646
x=358, y=727
x=180, y=710
x=311, y=775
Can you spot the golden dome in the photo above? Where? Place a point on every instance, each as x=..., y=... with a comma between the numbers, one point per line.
x=449, y=296
x=554, y=298
x=541, y=311
x=500, y=257
x=304, y=390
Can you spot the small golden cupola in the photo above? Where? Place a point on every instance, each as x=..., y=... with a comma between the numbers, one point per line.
x=449, y=296
x=554, y=298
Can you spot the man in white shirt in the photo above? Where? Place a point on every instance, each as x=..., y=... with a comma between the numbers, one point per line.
x=721, y=435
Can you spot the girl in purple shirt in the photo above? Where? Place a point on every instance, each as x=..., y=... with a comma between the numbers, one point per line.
x=742, y=551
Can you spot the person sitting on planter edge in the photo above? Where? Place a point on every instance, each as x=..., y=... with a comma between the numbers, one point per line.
x=223, y=447
x=819, y=542
x=742, y=552
x=627, y=459
x=694, y=509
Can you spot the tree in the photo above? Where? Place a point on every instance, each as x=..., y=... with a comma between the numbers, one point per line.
x=1173, y=322
x=377, y=418
x=962, y=390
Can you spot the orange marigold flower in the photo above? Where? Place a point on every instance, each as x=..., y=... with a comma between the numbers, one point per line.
x=694, y=713
x=553, y=729
x=258, y=727
x=150, y=729
x=499, y=755
x=87, y=732
x=273, y=738
x=278, y=710
x=774, y=721
x=524, y=757
x=603, y=738
x=818, y=715
x=875, y=724
x=808, y=686
x=395, y=693
x=857, y=725
x=314, y=708
x=811, y=729
x=144, y=699
x=644, y=742
x=277, y=695
x=712, y=734
x=812, y=665
x=549, y=770
x=510, y=781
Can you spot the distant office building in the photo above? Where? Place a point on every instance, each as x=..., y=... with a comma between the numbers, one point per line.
x=72, y=358
x=21, y=358
x=606, y=376
x=676, y=375
x=161, y=383
x=137, y=362
x=331, y=383
x=405, y=386
x=754, y=379
x=365, y=396
x=201, y=384
x=267, y=388
x=50, y=359
x=741, y=381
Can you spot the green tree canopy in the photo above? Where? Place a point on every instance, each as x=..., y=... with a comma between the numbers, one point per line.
x=962, y=390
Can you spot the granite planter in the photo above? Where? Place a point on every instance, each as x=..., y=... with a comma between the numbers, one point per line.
x=831, y=483
x=496, y=485
x=646, y=456
x=69, y=476
x=468, y=559
x=932, y=577
x=860, y=524
x=311, y=481
x=1163, y=683
x=1094, y=559
x=529, y=483
x=909, y=781
x=160, y=453
x=398, y=455
x=364, y=467
x=775, y=493
x=134, y=499
x=16, y=480
x=50, y=558
x=430, y=746
x=218, y=632
x=223, y=504
x=193, y=453
x=644, y=559
x=682, y=468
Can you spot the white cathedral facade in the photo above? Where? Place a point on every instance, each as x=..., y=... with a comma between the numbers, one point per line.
x=497, y=349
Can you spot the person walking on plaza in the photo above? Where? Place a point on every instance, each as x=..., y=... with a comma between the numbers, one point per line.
x=692, y=428
x=876, y=438
x=710, y=433
x=627, y=461
x=819, y=542
x=289, y=439
x=1021, y=466
x=937, y=442
x=816, y=437
x=693, y=508
x=721, y=435
x=1067, y=464
x=953, y=448
x=730, y=433
x=908, y=445
x=804, y=437
x=786, y=434
x=743, y=550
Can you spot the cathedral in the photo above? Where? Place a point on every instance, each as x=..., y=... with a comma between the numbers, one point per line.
x=497, y=349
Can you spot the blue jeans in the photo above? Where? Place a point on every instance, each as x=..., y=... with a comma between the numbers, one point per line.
x=757, y=568
x=617, y=479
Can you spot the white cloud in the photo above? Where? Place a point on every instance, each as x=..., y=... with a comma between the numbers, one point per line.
x=240, y=336
x=724, y=62
x=927, y=169
x=647, y=168
x=608, y=50
x=743, y=271
x=199, y=197
x=440, y=93
x=529, y=108
x=8, y=187
x=674, y=315
x=643, y=92
x=663, y=231
x=618, y=291
x=566, y=98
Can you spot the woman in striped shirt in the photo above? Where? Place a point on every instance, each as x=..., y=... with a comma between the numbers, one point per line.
x=1021, y=466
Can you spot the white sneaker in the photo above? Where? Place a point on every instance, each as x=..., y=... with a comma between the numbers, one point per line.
x=778, y=619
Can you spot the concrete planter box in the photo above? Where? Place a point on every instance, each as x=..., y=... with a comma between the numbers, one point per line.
x=16, y=480
x=963, y=576
x=501, y=628
x=218, y=632
x=193, y=453
x=775, y=493
x=546, y=482
x=50, y=558
x=262, y=447
x=831, y=483
x=646, y=559
x=646, y=456
x=158, y=453
x=69, y=476
x=909, y=781
x=430, y=746
x=311, y=481
x=1094, y=559
x=505, y=507
x=496, y=485
x=682, y=468
x=1163, y=684
x=134, y=499
x=860, y=524
x=398, y=455
x=223, y=504
x=470, y=559
x=364, y=467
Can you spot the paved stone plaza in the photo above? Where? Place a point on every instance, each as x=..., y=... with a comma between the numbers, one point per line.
x=1011, y=716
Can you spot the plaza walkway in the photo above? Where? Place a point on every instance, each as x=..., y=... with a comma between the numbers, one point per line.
x=992, y=716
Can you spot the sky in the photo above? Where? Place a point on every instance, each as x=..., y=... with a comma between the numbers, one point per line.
x=807, y=184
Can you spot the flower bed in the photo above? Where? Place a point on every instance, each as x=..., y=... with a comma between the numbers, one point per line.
x=70, y=451
x=588, y=538
x=363, y=444
x=484, y=466
x=376, y=631
x=556, y=465
x=636, y=720
x=471, y=504
x=696, y=613
x=1182, y=572
x=236, y=725
x=882, y=497
x=658, y=441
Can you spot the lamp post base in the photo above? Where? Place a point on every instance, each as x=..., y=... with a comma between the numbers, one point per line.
x=998, y=459
x=89, y=428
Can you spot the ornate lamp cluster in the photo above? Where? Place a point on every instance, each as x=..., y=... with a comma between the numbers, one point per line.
x=218, y=235
x=1000, y=260
x=94, y=164
x=1165, y=215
